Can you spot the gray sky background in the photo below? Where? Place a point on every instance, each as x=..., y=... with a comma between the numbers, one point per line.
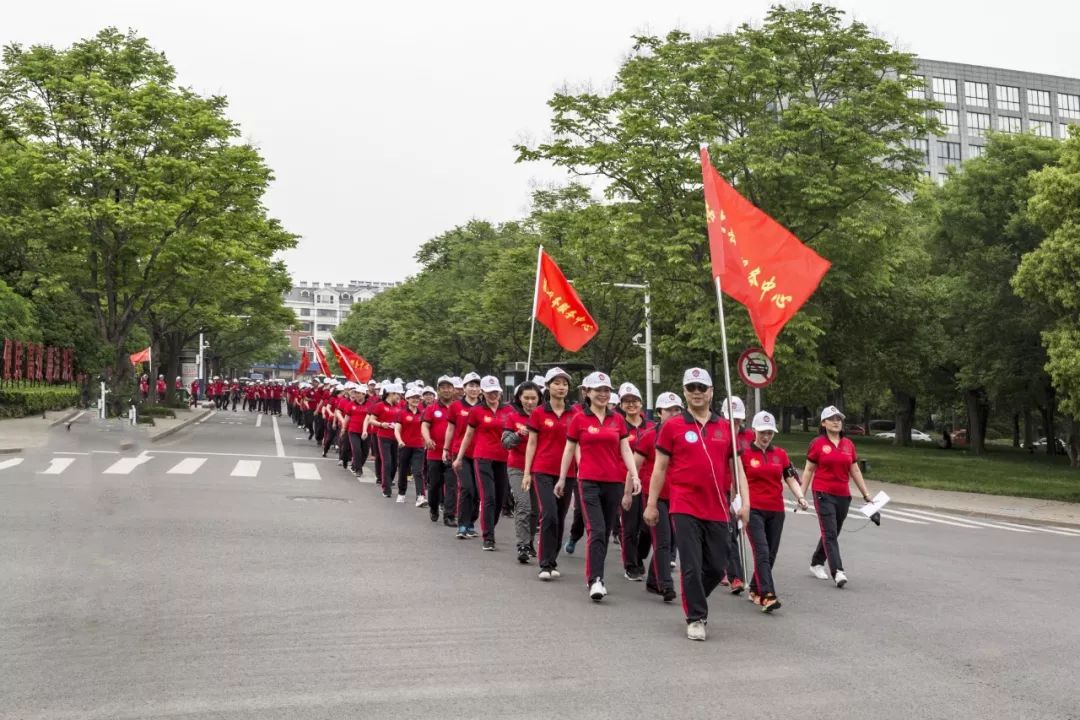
x=387, y=125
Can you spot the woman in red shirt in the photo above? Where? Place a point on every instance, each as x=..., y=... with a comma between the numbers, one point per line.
x=382, y=417
x=543, y=456
x=516, y=441
x=466, y=503
x=831, y=463
x=635, y=540
x=410, y=447
x=605, y=460
x=484, y=437
x=767, y=468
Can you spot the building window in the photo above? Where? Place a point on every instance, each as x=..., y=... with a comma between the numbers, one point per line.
x=918, y=93
x=1038, y=102
x=942, y=177
x=1042, y=128
x=1069, y=105
x=951, y=120
x=978, y=123
x=305, y=312
x=945, y=90
x=922, y=145
x=305, y=342
x=1008, y=124
x=949, y=153
x=976, y=93
x=1008, y=98
x=325, y=328
x=304, y=293
x=976, y=151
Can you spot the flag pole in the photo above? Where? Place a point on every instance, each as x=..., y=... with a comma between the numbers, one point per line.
x=744, y=501
x=532, y=320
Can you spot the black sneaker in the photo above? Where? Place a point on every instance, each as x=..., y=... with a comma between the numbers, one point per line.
x=532, y=551
x=653, y=589
x=449, y=522
x=669, y=595
x=434, y=517
x=489, y=545
x=523, y=554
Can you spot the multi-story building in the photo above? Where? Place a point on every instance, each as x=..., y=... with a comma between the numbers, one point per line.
x=977, y=100
x=321, y=307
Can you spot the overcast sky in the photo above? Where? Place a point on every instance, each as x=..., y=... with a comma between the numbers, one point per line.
x=386, y=125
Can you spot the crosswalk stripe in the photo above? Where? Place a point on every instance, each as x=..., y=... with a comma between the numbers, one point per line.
x=258, y=421
x=897, y=513
x=977, y=523
x=306, y=471
x=187, y=466
x=246, y=468
x=4, y=465
x=123, y=466
x=57, y=465
x=909, y=521
x=1040, y=528
x=1071, y=531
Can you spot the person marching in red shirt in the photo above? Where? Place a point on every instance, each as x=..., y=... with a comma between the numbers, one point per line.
x=659, y=580
x=767, y=468
x=695, y=453
x=831, y=464
x=484, y=436
x=733, y=574
x=441, y=480
x=634, y=541
x=604, y=441
x=543, y=457
x=355, y=429
x=468, y=508
x=144, y=387
x=382, y=417
x=410, y=442
x=516, y=441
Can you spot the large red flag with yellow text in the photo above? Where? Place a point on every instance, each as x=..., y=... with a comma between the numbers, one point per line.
x=324, y=366
x=559, y=308
x=355, y=367
x=759, y=262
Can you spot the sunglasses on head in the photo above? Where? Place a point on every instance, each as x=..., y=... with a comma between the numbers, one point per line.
x=696, y=387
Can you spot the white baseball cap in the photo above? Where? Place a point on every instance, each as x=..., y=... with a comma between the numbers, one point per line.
x=470, y=377
x=413, y=392
x=615, y=398
x=361, y=388
x=831, y=411
x=445, y=379
x=427, y=389
x=556, y=372
x=628, y=389
x=696, y=375
x=596, y=380
x=737, y=407
x=539, y=381
x=668, y=400
x=393, y=388
x=490, y=383
x=764, y=421
x=457, y=382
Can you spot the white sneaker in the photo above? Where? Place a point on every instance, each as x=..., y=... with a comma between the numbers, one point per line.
x=555, y=574
x=421, y=501
x=401, y=498
x=819, y=572
x=695, y=630
x=840, y=579
x=597, y=591
x=544, y=575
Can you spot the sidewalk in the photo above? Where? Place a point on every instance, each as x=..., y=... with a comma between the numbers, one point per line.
x=19, y=434
x=993, y=506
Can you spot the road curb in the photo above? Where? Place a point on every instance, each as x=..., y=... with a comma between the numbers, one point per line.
x=10, y=451
x=72, y=412
x=1025, y=519
x=181, y=426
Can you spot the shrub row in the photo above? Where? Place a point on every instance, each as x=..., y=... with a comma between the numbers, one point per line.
x=16, y=402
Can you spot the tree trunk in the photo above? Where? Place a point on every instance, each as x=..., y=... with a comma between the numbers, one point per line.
x=805, y=419
x=1029, y=430
x=1016, y=430
x=977, y=412
x=1048, y=412
x=1072, y=447
x=785, y=420
x=905, y=414
x=866, y=418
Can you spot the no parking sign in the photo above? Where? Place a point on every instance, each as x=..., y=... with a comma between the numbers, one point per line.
x=756, y=368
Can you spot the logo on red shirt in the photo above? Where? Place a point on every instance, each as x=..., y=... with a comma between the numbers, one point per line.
x=755, y=463
x=438, y=413
x=487, y=418
x=827, y=449
x=691, y=436
x=594, y=430
x=549, y=423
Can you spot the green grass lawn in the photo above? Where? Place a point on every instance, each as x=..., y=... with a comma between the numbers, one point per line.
x=1002, y=471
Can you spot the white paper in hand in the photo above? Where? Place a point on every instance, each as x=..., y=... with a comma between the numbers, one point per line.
x=880, y=500
x=736, y=505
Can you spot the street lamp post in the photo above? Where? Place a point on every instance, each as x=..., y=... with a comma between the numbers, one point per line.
x=648, y=339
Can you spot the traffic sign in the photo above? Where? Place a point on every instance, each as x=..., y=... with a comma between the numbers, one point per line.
x=756, y=368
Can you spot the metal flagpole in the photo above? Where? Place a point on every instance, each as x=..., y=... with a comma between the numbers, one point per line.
x=532, y=320
x=731, y=418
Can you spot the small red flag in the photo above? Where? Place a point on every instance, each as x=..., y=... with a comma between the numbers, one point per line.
x=305, y=362
x=324, y=366
x=759, y=262
x=355, y=367
x=560, y=309
x=141, y=356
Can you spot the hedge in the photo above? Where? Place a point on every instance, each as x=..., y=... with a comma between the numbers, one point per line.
x=16, y=402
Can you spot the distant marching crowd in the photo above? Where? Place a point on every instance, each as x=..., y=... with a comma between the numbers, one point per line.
x=661, y=488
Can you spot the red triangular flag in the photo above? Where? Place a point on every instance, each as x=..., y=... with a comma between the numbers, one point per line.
x=141, y=356
x=305, y=362
x=355, y=367
x=324, y=366
x=560, y=309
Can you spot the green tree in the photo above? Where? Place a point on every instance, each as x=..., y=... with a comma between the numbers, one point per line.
x=17, y=321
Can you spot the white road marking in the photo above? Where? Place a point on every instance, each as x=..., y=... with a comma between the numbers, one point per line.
x=1050, y=529
x=978, y=523
x=246, y=468
x=70, y=452
x=10, y=463
x=905, y=513
x=123, y=466
x=81, y=413
x=277, y=438
x=238, y=454
x=187, y=466
x=258, y=421
x=212, y=414
x=897, y=518
x=1071, y=531
x=57, y=466
x=306, y=471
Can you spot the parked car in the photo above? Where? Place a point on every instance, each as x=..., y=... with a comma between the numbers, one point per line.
x=854, y=430
x=1059, y=445
x=916, y=435
x=960, y=437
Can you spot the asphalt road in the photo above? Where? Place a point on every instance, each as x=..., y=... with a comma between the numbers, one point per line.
x=141, y=582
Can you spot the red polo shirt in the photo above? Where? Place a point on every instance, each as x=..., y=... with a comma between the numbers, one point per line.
x=385, y=414
x=646, y=448
x=487, y=425
x=636, y=431
x=833, y=465
x=601, y=460
x=517, y=422
x=459, y=418
x=550, y=430
x=357, y=414
x=437, y=417
x=699, y=465
x=765, y=471
x=410, y=426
